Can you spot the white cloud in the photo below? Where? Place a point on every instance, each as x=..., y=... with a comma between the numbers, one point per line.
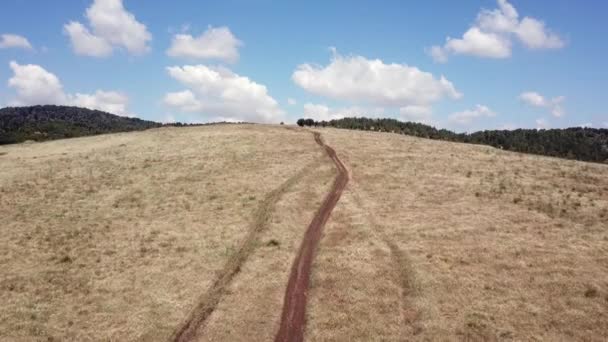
x=219, y=92
x=542, y=124
x=474, y=42
x=556, y=106
x=493, y=32
x=507, y=126
x=467, y=116
x=362, y=80
x=184, y=100
x=112, y=26
x=439, y=54
x=535, y=35
x=168, y=119
x=36, y=86
x=107, y=101
x=215, y=43
x=416, y=114
x=291, y=102
x=8, y=40
x=86, y=44
x=535, y=99
x=321, y=112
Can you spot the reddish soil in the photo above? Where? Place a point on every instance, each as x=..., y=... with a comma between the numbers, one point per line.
x=294, y=305
x=293, y=319
x=207, y=303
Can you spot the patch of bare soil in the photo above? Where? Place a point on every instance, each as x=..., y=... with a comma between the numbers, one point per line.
x=294, y=309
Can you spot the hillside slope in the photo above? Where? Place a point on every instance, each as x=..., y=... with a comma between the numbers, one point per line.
x=130, y=236
x=40, y=123
x=118, y=237
x=435, y=241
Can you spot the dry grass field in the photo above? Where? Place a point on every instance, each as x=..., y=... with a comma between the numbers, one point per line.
x=444, y=241
x=116, y=237
x=120, y=237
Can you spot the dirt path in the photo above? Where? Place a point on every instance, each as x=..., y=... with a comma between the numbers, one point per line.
x=210, y=299
x=294, y=306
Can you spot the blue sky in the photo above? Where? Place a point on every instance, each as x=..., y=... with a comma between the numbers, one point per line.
x=508, y=64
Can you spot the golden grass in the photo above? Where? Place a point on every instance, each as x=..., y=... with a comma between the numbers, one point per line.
x=115, y=237
x=251, y=309
x=118, y=237
x=444, y=241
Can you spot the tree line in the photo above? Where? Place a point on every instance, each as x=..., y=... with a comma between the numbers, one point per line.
x=49, y=122
x=587, y=144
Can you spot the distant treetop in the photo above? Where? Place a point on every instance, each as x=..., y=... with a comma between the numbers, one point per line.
x=587, y=144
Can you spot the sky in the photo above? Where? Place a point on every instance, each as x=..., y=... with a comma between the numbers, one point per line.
x=466, y=65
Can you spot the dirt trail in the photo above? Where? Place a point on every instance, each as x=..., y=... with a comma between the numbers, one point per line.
x=210, y=299
x=294, y=306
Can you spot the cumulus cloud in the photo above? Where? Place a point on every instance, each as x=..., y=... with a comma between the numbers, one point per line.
x=362, y=80
x=215, y=43
x=554, y=105
x=321, y=112
x=542, y=124
x=112, y=26
x=36, y=86
x=184, y=100
x=420, y=114
x=291, y=102
x=107, y=101
x=533, y=99
x=87, y=44
x=535, y=35
x=507, y=126
x=169, y=119
x=8, y=40
x=467, y=116
x=222, y=94
x=493, y=32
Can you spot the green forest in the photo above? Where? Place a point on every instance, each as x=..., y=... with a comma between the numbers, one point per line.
x=587, y=144
x=40, y=123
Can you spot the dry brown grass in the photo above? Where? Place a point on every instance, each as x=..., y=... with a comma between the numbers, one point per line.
x=444, y=241
x=251, y=309
x=115, y=237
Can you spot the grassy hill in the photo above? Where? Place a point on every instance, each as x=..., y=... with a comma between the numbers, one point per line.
x=119, y=237
x=40, y=123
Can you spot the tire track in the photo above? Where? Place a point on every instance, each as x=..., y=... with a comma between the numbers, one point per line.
x=207, y=303
x=404, y=275
x=293, y=318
